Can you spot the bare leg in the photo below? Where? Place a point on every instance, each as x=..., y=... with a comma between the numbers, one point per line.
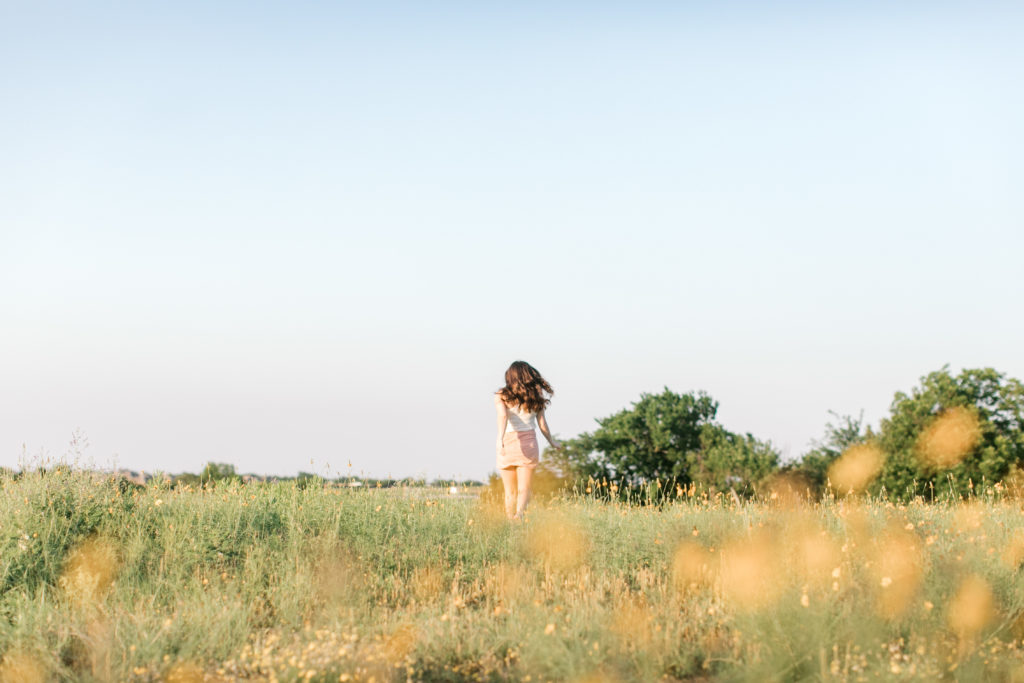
x=524, y=476
x=508, y=479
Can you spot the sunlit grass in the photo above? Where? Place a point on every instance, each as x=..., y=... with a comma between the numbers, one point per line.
x=102, y=581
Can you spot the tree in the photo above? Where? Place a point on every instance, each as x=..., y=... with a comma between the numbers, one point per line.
x=992, y=406
x=306, y=480
x=667, y=436
x=216, y=472
x=731, y=461
x=651, y=440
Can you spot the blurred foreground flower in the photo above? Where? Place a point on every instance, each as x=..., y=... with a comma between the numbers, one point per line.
x=21, y=667
x=426, y=583
x=897, y=566
x=971, y=609
x=788, y=489
x=750, y=575
x=968, y=517
x=856, y=468
x=509, y=584
x=557, y=543
x=816, y=553
x=950, y=437
x=691, y=566
x=338, y=579
x=1014, y=553
x=185, y=672
x=400, y=643
x=633, y=622
x=89, y=571
x=597, y=677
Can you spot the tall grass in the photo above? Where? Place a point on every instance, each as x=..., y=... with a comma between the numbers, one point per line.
x=101, y=580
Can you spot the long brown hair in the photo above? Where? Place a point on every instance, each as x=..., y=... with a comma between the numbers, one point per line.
x=524, y=387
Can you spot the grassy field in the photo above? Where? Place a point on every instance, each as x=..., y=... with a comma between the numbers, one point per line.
x=102, y=581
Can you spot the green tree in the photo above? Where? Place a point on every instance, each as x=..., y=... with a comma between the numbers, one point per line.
x=216, y=472
x=575, y=459
x=731, y=461
x=998, y=403
x=186, y=479
x=306, y=480
x=667, y=436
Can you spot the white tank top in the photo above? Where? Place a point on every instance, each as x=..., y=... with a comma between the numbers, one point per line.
x=519, y=420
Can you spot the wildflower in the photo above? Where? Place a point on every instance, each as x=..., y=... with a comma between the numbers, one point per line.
x=971, y=608
x=20, y=666
x=90, y=570
x=557, y=543
x=856, y=467
x=950, y=438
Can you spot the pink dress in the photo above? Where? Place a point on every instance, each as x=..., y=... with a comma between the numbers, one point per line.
x=519, y=442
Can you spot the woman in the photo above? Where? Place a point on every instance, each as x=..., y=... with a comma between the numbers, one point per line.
x=520, y=405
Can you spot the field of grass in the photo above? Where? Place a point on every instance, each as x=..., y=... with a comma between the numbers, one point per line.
x=103, y=581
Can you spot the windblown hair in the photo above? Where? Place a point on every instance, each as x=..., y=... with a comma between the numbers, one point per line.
x=525, y=388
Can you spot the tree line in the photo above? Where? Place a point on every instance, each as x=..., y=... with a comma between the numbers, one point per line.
x=948, y=435
x=219, y=473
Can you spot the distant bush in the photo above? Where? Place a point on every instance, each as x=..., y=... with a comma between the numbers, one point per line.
x=669, y=438
x=947, y=436
x=218, y=472
x=307, y=479
x=985, y=441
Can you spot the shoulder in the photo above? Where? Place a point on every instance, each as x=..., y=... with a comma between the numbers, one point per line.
x=497, y=398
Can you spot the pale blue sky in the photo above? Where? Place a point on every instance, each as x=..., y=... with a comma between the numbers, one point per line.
x=276, y=233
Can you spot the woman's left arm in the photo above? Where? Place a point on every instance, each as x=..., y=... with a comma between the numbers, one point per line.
x=542, y=423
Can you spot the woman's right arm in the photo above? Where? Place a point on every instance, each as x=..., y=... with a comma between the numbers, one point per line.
x=502, y=413
x=542, y=422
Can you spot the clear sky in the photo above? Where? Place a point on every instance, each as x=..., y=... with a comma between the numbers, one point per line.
x=295, y=235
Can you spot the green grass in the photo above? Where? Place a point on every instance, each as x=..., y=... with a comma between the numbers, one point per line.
x=101, y=581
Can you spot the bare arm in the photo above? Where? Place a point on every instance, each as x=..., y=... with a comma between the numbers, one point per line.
x=502, y=412
x=542, y=423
